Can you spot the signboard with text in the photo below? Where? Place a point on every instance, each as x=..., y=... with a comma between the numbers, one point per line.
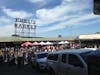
x=24, y=27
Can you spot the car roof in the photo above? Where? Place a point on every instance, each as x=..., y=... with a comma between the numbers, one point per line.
x=95, y=53
x=77, y=51
x=40, y=52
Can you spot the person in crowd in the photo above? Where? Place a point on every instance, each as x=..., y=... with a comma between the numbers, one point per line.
x=12, y=58
x=20, y=58
x=1, y=56
x=16, y=56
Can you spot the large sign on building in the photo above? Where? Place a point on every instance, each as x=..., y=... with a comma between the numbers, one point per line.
x=25, y=27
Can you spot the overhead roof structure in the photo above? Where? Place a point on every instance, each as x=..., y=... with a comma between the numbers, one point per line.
x=18, y=39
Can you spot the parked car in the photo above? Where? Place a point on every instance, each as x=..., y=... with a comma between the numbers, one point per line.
x=68, y=62
x=39, y=60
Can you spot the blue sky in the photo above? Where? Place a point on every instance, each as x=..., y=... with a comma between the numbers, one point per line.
x=53, y=17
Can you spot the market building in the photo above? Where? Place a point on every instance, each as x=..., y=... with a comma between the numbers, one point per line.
x=90, y=40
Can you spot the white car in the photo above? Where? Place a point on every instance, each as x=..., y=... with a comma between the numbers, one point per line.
x=39, y=60
x=68, y=62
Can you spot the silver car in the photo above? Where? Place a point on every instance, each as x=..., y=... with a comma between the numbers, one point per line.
x=68, y=62
x=39, y=60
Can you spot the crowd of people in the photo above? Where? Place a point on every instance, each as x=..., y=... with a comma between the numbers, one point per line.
x=13, y=56
x=22, y=55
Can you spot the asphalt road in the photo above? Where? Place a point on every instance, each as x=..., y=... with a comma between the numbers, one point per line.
x=6, y=69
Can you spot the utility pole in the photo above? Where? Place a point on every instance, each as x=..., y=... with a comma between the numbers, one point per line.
x=35, y=29
x=71, y=42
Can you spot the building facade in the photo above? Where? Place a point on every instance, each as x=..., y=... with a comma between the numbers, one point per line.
x=90, y=40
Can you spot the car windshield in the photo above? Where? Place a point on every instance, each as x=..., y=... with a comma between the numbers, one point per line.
x=43, y=55
x=85, y=55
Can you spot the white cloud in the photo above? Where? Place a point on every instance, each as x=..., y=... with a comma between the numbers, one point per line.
x=6, y=30
x=51, y=13
x=37, y=1
x=80, y=21
x=65, y=14
x=4, y=19
x=7, y=23
x=15, y=13
x=61, y=12
x=47, y=16
x=6, y=26
x=67, y=1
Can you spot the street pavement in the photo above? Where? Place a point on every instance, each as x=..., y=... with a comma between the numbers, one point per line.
x=6, y=69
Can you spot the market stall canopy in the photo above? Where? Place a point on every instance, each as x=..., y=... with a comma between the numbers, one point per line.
x=63, y=42
x=48, y=43
x=66, y=42
x=42, y=43
x=36, y=43
x=27, y=44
